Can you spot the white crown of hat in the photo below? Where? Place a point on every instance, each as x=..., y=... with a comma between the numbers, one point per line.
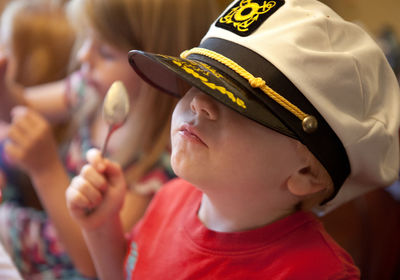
x=341, y=70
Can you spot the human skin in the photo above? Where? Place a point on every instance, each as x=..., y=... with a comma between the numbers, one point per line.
x=241, y=166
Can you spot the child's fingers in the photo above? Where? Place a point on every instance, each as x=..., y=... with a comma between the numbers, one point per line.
x=18, y=111
x=16, y=135
x=75, y=198
x=12, y=152
x=94, y=157
x=114, y=173
x=27, y=120
x=20, y=129
x=94, y=177
x=112, y=168
x=33, y=116
x=20, y=114
x=4, y=129
x=90, y=192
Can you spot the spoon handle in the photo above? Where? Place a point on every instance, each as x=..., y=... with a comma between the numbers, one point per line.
x=103, y=152
x=104, y=148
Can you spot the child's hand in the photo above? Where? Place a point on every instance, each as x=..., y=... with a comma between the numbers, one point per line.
x=3, y=130
x=97, y=194
x=30, y=143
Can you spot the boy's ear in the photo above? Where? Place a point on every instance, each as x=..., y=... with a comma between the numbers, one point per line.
x=305, y=182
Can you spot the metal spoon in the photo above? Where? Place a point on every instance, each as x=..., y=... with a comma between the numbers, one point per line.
x=115, y=109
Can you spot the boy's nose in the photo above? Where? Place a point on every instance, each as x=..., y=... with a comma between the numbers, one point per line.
x=205, y=105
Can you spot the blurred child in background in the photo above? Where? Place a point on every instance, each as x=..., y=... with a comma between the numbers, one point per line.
x=108, y=29
x=37, y=39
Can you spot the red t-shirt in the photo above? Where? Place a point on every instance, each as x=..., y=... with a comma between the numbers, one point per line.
x=171, y=243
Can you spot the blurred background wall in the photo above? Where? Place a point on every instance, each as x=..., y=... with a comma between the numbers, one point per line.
x=373, y=15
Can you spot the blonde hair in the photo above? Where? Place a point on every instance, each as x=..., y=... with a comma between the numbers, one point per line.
x=157, y=26
x=320, y=174
x=3, y=3
x=40, y=39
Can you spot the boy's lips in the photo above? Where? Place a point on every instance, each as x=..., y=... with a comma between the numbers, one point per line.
x=191, y=132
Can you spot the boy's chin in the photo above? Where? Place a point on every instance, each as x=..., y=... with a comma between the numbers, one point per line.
x=188, y=173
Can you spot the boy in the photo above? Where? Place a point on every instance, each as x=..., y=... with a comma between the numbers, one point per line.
x=289, y=104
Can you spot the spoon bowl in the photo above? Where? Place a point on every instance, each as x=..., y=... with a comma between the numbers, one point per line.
x=115, y=109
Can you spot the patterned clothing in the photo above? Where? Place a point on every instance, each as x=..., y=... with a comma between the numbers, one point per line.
x=30, y=239
x=29, y=236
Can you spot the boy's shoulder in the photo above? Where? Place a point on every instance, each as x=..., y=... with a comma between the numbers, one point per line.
x=310, y=249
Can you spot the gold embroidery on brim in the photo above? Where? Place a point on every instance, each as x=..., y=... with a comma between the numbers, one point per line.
x=196, y=72
x=212, y=70
x=242, y=21
x=309, y=123
x=192, y=65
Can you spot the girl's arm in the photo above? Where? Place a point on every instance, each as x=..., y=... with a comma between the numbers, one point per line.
x=50, y=185
x=48, y=99
x=31, y=146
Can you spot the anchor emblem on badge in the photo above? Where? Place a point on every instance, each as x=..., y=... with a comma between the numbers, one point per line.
x=248, y=12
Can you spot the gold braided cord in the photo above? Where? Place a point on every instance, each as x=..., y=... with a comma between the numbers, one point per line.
x=254, y=82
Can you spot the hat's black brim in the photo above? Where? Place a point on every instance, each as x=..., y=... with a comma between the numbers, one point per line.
x=176, y=75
